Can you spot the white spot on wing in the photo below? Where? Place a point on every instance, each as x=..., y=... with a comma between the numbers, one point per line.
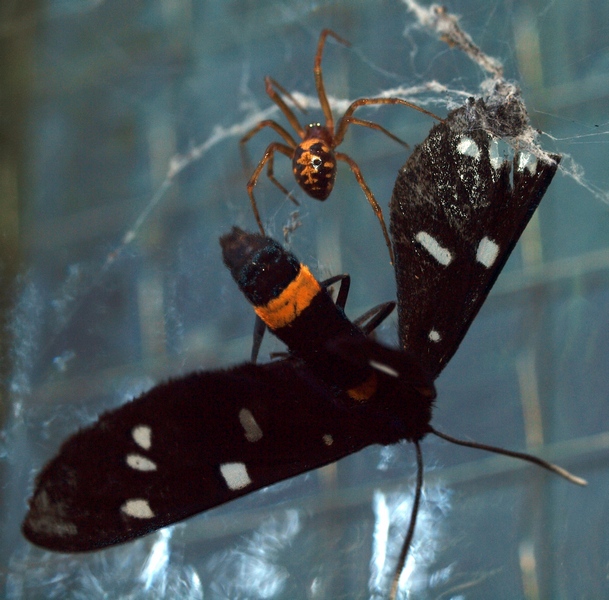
x=252, y=430
x=434, y=336
x=235, y=475
x=494, y=155
x=528, y=161
x=383, y=368
x=468, y=147
x=142, y=434
x=487, y=252
x=328, y=439
x=140, y=463
x=138, y=508
x=442, y=255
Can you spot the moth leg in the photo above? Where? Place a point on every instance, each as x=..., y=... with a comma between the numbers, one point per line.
x=343, y=290
x=372, y=318
x=259, y=329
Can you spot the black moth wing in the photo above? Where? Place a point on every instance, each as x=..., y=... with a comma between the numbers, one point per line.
x=457, y=210
x=185, y=446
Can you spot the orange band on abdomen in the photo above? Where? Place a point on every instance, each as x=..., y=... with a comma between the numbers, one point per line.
x=297, y=296
x=364, y=391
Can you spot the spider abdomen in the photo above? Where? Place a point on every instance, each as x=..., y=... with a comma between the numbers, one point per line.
x=314, y=167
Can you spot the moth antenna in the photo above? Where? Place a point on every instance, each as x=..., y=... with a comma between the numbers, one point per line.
x=521, y=455
x=411, y=527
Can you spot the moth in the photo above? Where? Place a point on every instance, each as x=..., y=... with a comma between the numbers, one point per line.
x=204, y=439
x=199, y=441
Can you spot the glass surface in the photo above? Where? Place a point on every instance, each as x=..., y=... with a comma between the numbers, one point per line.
x=127, y=117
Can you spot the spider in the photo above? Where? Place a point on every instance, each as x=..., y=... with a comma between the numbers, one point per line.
x=314, y=157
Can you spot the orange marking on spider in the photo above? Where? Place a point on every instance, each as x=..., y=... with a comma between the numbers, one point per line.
x=309, y=166
x=313, y=158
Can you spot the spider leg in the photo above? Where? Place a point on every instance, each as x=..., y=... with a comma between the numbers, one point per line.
x=286, y=93
x=347, y=120
x=270, y=85
x=245, y=159
x=268, y=156
x=370, y=196
x=373, y=125
x=319, y=81
x=271, y=175
x=273, y=125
